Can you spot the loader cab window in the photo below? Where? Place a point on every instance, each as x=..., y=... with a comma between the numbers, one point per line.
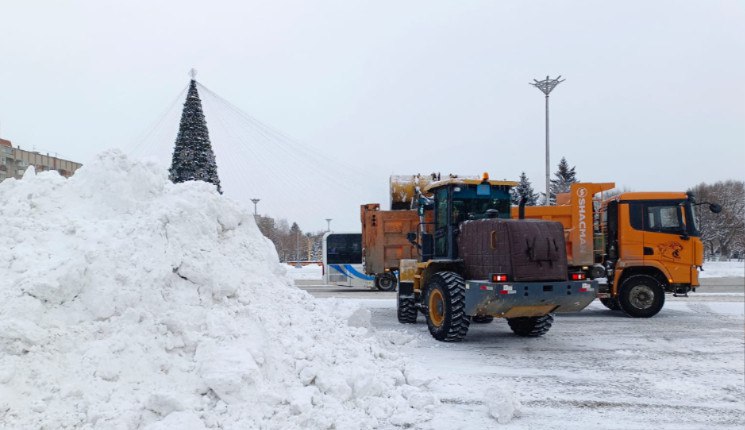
x=474, y=202
x=441, y=222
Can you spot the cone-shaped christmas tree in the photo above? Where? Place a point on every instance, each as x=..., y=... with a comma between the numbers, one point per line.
x=193, y=159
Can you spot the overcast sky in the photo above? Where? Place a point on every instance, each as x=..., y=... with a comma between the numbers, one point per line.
x=654, y=97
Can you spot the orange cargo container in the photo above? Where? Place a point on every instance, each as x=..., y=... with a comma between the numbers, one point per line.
x=575, y=211
x=384, y=242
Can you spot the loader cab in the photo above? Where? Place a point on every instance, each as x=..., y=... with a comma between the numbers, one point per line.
x=459, y=200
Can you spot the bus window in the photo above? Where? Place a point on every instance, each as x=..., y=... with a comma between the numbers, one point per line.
x=342, y=260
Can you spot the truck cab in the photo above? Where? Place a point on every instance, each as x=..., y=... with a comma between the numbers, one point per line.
x=651, y=238
x=644, y=243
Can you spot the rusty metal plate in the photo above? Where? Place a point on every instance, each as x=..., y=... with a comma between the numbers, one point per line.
x=529, y=311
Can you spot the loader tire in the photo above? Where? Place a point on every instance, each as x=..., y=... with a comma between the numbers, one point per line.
x=641, y=296
x=482, y=319
x=445, y=302
x=611, y=303
x=406, y=309
x=531, y=326
x=386, y=282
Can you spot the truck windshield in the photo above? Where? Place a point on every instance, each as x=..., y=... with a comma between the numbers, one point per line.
x=691, y=224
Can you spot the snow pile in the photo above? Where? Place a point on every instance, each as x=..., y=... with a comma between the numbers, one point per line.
x=502, y=404
x=130, y=302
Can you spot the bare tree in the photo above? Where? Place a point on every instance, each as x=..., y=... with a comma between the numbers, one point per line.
x=723, y=234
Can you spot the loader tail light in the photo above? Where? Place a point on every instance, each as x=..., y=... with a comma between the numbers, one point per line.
x=499, y=277
x=578, y=276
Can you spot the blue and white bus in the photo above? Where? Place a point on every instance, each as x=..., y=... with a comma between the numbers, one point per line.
x=342, y=260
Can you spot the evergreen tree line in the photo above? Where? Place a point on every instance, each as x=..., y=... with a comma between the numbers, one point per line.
x=564, y=177
x=722, y=234
x=291, y=242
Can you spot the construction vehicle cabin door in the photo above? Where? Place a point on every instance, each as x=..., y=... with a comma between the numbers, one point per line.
x=441, y=223
x=666, y=239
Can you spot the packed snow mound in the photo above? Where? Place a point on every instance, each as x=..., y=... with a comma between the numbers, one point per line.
x=130, y=302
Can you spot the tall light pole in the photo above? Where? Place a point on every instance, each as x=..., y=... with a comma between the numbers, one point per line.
x=328, y=224
x=546, y=86
x=256, y=201
x=297, y=248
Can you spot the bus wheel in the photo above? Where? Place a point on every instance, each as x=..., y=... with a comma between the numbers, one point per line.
x=385, y=282
x=445, y=302
x=641, y=296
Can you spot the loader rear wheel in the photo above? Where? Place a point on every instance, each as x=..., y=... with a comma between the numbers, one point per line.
x=611, y=304
x=445, y=301
x=406, y=308
x=641, y=296
x=531, y=326
x=482, y=319
x=386, y=281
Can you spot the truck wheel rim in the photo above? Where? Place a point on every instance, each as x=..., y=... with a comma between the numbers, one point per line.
x=641, y=297
x=436, y=308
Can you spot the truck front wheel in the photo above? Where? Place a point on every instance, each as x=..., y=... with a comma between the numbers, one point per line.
x=611, y=304
x=531, y=326
x=445, y=302
x=641, y=296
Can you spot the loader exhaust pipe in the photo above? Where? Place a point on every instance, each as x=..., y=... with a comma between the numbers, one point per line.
x=521, y=209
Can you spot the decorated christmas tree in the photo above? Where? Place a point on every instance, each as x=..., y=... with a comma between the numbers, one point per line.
x=193, y=159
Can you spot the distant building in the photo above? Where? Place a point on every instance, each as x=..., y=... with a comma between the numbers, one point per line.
x=15, y=161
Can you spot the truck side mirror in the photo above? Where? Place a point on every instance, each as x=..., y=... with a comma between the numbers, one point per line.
x=715, y=208
x=411, y=237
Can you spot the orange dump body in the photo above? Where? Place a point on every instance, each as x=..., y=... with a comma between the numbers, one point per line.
x=575, y=211
x=384, y=241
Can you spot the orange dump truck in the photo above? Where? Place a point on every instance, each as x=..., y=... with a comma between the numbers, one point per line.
x=644, y=243
x=384, y=242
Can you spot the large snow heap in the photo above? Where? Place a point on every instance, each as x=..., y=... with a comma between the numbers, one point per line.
x=128, y=302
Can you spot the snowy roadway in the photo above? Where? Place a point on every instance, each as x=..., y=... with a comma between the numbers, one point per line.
x=682, y=369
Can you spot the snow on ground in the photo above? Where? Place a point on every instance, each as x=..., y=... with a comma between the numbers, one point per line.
x=597, y=369
x=721, y=269
x=130, y=302
x=310, y=271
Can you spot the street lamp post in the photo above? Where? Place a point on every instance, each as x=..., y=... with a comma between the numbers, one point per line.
x=297, y=248
x=546, y=86
x=255, y=201
x=328, y=224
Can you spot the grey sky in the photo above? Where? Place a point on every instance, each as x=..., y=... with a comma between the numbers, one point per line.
x=654, y=97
